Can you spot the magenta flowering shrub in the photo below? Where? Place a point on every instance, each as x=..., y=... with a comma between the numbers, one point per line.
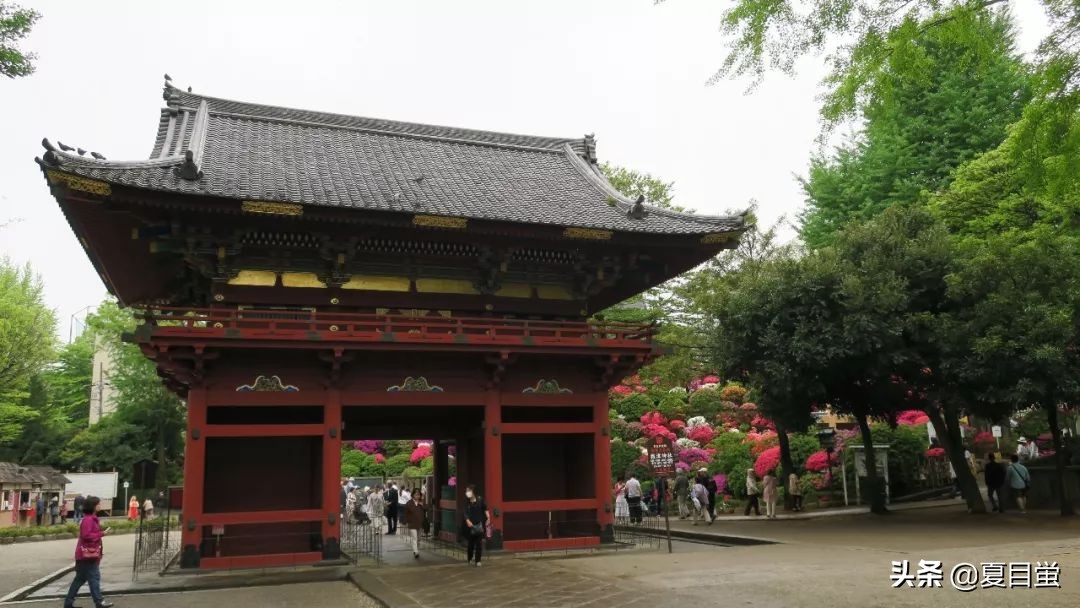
x=653, y=418
x=368, y=446
x=452, y=481
x=912, y=417
x=692, y=455
x=721, y=483
x=819, y=461
x=935, y=452
x=702, y=433
x=767, y=461
x=421, y=452
x=677, y=425
x=653, y=430
x=761, y=422
x=379, y=458
x=682, y=466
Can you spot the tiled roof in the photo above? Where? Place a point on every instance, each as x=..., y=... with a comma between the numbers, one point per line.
x=48, y=477
x=248, y=151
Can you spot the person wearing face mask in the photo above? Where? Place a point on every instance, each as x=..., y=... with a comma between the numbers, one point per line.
x=476, y=517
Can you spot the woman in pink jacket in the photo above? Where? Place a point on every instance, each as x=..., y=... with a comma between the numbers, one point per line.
x=88, y=556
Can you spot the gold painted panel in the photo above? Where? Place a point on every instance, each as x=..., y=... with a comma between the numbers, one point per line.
x=716, y=237
x=588, y=234
x=376, y=283
x=438, y=221
x=301, y=279
x=79, y=183
x=554, y=292
x=445, y=286
x=255, y=278
x=515, y=290
x=271, y=208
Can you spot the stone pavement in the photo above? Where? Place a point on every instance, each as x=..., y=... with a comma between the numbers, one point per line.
x=835, y=562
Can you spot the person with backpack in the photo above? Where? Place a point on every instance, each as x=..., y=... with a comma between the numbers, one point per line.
x=1019, y=481
x=751, y=493
x=699, y=496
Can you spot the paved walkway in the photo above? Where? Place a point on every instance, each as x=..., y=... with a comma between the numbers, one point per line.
x=833, y=562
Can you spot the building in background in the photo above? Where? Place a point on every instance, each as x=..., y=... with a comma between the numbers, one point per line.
x=102, y=392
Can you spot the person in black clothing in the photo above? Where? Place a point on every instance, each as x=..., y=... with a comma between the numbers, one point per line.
x=391, y=498
x=710, y=487
x=476, y=518
x=994, y=474
x=80, y=500
x=344, y=496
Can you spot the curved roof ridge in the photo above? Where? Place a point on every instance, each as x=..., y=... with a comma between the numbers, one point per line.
x=593, y=174
x=177, y=98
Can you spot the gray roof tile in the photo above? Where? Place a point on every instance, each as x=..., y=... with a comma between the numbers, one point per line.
x=255, y=152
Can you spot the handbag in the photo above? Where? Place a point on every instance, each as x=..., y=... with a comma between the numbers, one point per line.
x=477, y=530
x=91, y=551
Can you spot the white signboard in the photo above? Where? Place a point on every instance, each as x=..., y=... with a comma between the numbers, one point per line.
x=996, y=430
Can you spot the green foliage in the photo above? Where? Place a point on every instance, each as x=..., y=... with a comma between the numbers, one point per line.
x=802, y=445
x=15, y=24
x=733, y=457
x=395, y=465
x=907, y=448
x=623, y=455
x=705, y=402
x=111, y=443
x=399, y=446
x=27, y=337
x=633, y=184
x=935, y=103
x=634, y=406
x=672, y=406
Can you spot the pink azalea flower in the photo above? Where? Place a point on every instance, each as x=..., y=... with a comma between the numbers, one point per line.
x=935, y=452
x=767, y=461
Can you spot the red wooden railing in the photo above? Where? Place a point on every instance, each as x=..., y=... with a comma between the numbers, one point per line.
x=274, y=324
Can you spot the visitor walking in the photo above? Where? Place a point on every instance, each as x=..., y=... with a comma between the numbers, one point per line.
x=476, y=518
x=622, y=508
x=39, y=509
x=350, y=505
x=54, y=511
x=403, y=499
x=994, y=475
x=88, y=552
x=751, y=493
x=148, y=508
x=699, y=496
x=414, y=522
x=682, y=492
x=710, y=488
x=770, y=493
x=391, y=499
x=1027, y=450
x=343, y=496
x=633, y=498
x=133, y=508
x=80, y=500
x=795, y=491
x=376, y=507
x=1019, y=481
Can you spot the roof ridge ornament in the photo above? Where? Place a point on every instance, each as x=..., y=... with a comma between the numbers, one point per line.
x=590, y=148
x=188, y=170
x=637, y=211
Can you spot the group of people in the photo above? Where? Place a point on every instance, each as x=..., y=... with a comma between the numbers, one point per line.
x=998, y=475
x=50, y=509
x=390, y=506
x=696, y=498
x=133, y=507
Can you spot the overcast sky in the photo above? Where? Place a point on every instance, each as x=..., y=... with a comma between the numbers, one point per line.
x=628, y=71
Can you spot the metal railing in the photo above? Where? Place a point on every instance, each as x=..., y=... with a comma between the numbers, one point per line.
x=157, y=542
x=303, y=324
x=361, y=541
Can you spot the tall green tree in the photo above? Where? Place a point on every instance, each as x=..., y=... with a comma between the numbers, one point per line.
x=15, y=23
x=27, y=336
x=935, y=103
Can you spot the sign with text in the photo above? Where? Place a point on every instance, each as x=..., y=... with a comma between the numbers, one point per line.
x=661, y=456
x=996, y=430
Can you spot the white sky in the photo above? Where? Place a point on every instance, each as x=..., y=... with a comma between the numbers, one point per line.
x=628, y=71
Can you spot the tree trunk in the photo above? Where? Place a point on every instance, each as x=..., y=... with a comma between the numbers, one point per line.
x=872, y=490
x=1059, y=459
x=787, y=467
x=947, y=424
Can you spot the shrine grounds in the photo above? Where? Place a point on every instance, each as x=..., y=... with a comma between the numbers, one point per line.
x=830, y=562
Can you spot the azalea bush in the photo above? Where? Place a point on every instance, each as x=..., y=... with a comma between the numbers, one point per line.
x=912, y=417
x=705, y=402
x=820, y=460
x=767, y=461
x=734, y=393
x=635, y=406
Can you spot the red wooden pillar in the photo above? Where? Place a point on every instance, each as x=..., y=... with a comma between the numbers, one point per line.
x=493, y=464
x=602, y=460
x=331, y=471
x=194, y=474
